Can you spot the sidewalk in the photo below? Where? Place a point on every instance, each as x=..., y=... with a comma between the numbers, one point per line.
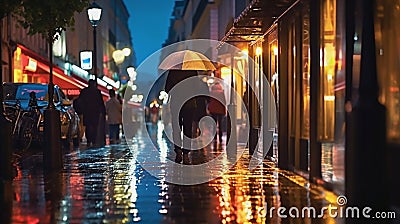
x=107, y=185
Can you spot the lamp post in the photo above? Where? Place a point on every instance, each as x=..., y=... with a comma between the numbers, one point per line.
x=94, y=15
x=232, y=123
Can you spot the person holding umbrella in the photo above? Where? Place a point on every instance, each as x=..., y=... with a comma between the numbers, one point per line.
x=185, y=115
x=182, y=65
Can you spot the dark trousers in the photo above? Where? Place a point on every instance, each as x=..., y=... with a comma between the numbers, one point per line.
x=101, y=132
x=91, y=133
x=114, y=131
x=218, y=121
x=185, y=124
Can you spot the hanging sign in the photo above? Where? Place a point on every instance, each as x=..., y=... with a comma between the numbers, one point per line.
x=86, y=60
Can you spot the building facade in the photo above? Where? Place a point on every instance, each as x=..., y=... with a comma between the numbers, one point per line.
x=311, y=54
x=25, y=57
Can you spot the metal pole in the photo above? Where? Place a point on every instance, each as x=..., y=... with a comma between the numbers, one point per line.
x=51, y=84
x=52, y=125
x=253, y=132
x=232, y=135
x=315, y=145
x=95, y=53
x=368, y=170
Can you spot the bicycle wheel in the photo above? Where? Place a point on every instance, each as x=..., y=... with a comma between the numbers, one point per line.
x=25, y=133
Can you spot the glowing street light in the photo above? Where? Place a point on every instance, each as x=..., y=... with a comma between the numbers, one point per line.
x=94, y=15
x=119, y=55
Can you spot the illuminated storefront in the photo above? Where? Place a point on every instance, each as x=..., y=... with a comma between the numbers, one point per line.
x=306, y=134
x=29, y=66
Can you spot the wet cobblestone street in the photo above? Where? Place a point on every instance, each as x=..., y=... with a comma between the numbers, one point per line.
x=107, y=185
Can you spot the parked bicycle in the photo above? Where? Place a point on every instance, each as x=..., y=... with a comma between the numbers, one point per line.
x=27, y=115
x=27, y=125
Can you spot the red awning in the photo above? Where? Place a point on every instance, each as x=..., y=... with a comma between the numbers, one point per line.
x=59, y=78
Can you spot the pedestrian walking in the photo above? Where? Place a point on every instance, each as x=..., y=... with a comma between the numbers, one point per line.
x=114, y=117
x=154, y=111
x=217, y=107
x=185, y=115
x=93, y=114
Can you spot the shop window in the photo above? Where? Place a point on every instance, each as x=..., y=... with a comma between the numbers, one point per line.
x=387, y=38
x=305, y=127
x=326, y=117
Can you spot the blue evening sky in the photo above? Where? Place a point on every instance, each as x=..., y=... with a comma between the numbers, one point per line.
x=149, y=22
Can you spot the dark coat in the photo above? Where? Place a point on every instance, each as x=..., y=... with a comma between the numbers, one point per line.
x=77, y=105
x=92, y=105
x=173, y=78
x=201, y=101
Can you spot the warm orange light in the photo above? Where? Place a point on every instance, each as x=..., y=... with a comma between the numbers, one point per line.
x=18, y=53
x=245, y=51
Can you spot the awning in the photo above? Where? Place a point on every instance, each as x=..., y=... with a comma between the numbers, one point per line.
x=59, y=78
x=255, y=20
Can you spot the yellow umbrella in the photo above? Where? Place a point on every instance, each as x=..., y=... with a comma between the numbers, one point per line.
x=187, y=60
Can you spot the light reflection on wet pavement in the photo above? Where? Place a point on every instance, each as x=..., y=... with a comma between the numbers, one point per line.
x=107, y=185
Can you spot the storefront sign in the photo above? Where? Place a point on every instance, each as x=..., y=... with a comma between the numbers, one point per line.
x=72, y=92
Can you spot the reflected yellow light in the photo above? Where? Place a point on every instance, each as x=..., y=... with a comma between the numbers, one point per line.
x=258, y=51
x=245, y=51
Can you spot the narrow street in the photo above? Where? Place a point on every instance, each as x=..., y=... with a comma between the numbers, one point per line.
x=107, y=185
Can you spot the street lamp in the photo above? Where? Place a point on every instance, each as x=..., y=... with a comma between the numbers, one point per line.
x=94, y=15
x=119, y=55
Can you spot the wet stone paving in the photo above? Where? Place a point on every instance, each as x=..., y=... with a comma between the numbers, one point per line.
x=108, y=185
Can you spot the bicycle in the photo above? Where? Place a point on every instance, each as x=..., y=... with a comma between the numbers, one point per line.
x=27, y=125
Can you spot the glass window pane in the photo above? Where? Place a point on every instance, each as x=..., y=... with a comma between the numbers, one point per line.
x=305, y=127
x=327, y=80
x=388, y=63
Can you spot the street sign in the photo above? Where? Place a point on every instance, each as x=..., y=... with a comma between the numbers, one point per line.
x=86, y=60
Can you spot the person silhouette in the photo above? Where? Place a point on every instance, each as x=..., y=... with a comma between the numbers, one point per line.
x=185, y=115
x=114, y=116
x=93, y=112
x=217, y=107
